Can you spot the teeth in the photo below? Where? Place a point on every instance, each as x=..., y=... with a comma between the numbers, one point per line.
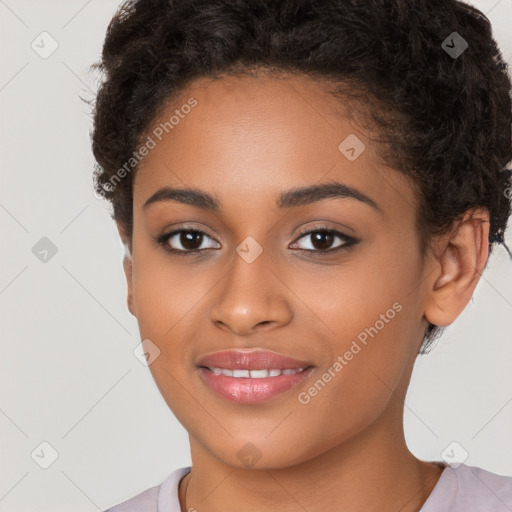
x=258, y=374
x=240, y=373
x=254, y=374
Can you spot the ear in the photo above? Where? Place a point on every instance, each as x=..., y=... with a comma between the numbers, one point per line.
x=127, y=264
x=460, y=258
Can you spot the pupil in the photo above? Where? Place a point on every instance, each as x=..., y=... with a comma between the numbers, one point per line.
x=188, y=238
x=325, y=239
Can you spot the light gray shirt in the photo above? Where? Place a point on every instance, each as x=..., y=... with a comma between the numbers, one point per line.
x=460, y=488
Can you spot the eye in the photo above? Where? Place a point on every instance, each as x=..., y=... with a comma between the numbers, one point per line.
x=190, y=240
x=322, y=238
x=187, y=241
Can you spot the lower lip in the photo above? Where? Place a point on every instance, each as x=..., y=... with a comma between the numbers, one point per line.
x=244, y=390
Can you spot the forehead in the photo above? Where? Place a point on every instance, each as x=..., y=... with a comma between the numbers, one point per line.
x=257, y=136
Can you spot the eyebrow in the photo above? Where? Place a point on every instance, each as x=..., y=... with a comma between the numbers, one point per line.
x=297, y=196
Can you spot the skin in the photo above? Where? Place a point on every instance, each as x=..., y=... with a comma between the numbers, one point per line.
x=246, y=141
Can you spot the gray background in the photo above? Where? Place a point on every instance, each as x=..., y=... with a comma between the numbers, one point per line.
x=67, y=369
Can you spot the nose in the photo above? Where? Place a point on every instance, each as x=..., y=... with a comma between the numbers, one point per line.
x=250, y=298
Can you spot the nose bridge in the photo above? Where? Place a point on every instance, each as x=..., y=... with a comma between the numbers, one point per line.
x=250, y=294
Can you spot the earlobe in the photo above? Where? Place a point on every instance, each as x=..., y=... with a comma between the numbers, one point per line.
x=460, y=261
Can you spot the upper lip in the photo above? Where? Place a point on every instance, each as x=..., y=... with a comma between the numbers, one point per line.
x=254, y=360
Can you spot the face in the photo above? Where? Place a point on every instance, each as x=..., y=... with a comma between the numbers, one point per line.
x=251, y=274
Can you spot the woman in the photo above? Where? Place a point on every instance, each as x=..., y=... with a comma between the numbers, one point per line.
x=307, y=193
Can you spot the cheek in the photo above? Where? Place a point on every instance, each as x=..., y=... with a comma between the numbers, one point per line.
x=167, y=302
x=166, y=294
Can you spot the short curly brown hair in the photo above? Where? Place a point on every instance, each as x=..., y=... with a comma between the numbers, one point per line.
x=427, y=74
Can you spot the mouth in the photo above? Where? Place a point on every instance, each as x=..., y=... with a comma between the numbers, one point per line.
x=250, y=377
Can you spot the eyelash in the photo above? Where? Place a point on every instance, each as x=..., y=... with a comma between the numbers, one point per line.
x=349, y=241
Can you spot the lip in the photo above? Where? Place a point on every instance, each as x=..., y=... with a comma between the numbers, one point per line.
x=247, y=390
x=244, y=390
x=251, y=360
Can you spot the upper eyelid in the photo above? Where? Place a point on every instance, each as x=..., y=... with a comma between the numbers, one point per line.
x=307, y=231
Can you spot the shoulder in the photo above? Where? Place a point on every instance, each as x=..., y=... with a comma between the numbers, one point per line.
x=162, y=497
x=146, y=500
x=464, y=488
x=483, y=488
